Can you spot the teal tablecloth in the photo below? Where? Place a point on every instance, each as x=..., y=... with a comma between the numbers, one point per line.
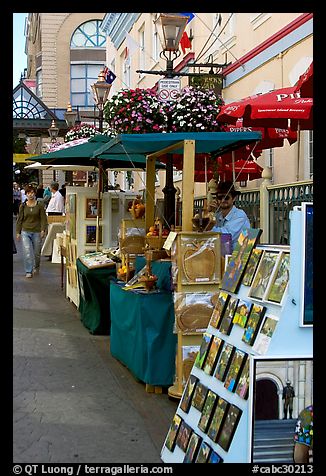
x=142, y=334
x=162, y=269
x=94, y=297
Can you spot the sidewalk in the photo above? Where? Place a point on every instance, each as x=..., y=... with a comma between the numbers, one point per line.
x=73, y=402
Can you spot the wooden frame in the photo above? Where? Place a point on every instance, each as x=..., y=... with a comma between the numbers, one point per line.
x=229, y=427
x=263, y=274
x=170, y=439
x=90, y=234
x=91, y=208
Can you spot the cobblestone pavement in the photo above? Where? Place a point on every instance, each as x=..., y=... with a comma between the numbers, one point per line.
x=73, y=402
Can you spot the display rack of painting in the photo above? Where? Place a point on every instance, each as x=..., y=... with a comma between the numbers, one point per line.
x=252, y=309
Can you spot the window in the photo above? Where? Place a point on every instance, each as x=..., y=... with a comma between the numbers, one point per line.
x=88, y=35
x=81, y=78
x=126, y=72
x=39, y=89
x=156, y=41
x=142, y=63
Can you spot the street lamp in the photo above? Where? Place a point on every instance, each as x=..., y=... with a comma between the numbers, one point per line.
x=53, y=133
x=101, y=91
x=70, y=116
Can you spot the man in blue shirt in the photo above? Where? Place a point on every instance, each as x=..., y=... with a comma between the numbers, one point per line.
x=229, y=218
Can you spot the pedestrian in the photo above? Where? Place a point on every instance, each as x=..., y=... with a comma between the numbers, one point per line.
x=31, y=226
x=287, y=396
x=303, y=436
x=56, y=204
x=16, y=198
x=229, y=218
x=39, y=191
x=22, y=194
x=46, y=196
x=63, y=190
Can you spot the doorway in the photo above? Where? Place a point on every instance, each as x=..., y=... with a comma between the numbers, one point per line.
x=266, y=403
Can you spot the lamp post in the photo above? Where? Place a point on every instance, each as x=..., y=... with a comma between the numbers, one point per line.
x=53, y=133
x=101, y=91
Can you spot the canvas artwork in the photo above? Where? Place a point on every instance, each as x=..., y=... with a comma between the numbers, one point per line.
x=188, y=393
x=217, y=419
x=226, y=323
x=280, y=280
x=183, y=436
x=264, y=337
x=172, y=433
x=204, y=347
x=255, y=318
x=192, y=448
x=203, y=453
x=189, y=353
x=263, y=274
x=224, y=361
x=213, y=353
x=252, y=266
x=242, y=389
x=92, y=208
x=214, y=458
x=237, y=363
x=219, y=308
x=229, y=427
x=72, y=215
x=207, y=411
x=242, y=312
x=199, y=396
x=246, y=242
x=91, y=234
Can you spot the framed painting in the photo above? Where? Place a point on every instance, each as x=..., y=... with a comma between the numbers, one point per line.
x=246, y=242
x=255, y=318
x=91, y=234
x=252, y=266
x=242, y=389
x=199, y=396
x=72, y=215
x=188, y=393
x=213, y=353
x=229, y=427
x=307, y=264
x=237, y=363
x=189, y=353
x=217, y=419
x=242, y=312
x=263, y=274
x=224, y=361
x=219, y=308
x=214, y=458
x=203, y=453
x=264, y=337
x=192, y=448
x=226, y=323
x=207, y=411
x=92, y=208
x=203, y=350
x=172, y=433
x=280, y=279
x=183, y=436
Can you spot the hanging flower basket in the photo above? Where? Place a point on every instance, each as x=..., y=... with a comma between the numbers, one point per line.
x=81, y=131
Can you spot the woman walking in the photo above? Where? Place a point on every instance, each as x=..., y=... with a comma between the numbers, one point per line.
x=31, y=225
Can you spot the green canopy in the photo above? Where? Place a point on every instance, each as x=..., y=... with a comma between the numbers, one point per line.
x=82, y=154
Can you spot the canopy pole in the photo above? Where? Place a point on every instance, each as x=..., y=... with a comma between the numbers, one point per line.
x=99, y=205
x=298, y=151
x=206, y=185
x=233, y=167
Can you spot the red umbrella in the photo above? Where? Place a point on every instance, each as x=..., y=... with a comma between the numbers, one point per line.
x=272, y=109
x=243, y=169
x=304, y=84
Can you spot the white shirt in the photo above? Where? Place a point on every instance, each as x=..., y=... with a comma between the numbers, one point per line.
x=56, y=203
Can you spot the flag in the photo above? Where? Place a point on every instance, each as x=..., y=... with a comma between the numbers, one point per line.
x=131, y=46
x=185, y=42
x=109, y=76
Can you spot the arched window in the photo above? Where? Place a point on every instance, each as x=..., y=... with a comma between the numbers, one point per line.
x=88, y=35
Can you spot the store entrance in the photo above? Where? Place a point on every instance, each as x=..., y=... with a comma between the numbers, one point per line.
x=266, y=405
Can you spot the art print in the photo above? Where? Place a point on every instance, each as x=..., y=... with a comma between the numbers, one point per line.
x=227, y=320
x=246, y=242
x=242, y=388
x=242, y=312
x=264, y=337
x=199, y=396
x=238, y=360
x=189, y=353
x=213, y=353
x=229, y=427
x=192, y=448
x=204, y=347
x=203, y=453
x=183, y=436
x=224, y=361
x=207, y=411
x=253, y=262
x=217, y=419
x=214, y=458
x=172, y=433
x=92, y=208
x=255, y=318
x=91, y=234
x=188, y=393
x=263, y=274
x=72, y=215
x=219, y=308
x=280, y=280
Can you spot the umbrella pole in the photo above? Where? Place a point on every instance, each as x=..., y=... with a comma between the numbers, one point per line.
x=99, y=197
x=298, y=154
x=233, y=167
x=206, y=187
